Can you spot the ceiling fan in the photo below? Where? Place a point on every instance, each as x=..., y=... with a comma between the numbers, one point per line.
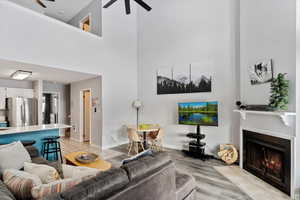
x=127, y=5
x=42, y=4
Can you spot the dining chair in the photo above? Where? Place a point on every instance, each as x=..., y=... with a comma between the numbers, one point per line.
x=134, y=141
x=129, y=127
x=156, y=140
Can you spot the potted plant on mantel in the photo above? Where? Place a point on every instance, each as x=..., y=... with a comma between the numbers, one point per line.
x=279, y=98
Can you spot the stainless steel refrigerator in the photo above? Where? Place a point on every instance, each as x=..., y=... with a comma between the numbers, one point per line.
x=22, y=111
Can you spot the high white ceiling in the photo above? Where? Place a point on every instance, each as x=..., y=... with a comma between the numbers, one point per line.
x=63, y=10
x=43, y=73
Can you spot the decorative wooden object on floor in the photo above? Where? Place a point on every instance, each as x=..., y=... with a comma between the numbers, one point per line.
x=228, y=153
x=102, y=165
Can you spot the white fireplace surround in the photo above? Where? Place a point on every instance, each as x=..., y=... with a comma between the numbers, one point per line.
x=284, y=116
x=292, y=137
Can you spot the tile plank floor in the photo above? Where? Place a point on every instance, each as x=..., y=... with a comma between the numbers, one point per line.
x=214, y=180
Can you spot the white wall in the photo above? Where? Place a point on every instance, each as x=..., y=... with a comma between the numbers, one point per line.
x=55, y=44
x=177, y=33
x=95, y=86
x=268, y=30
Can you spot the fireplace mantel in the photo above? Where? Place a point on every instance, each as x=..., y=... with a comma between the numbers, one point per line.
x=284, y=116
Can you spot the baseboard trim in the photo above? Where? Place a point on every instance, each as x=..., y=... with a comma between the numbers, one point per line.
x=114, y=145
x=171, y=146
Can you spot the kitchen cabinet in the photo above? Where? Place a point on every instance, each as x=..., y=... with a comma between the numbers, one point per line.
x=20, y=92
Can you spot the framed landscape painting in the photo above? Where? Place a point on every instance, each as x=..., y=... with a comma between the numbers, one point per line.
x=173, y=81
x=182, y=80
x=200, y=80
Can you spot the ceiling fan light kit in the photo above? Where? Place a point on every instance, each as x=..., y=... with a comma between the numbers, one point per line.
x=127, y=5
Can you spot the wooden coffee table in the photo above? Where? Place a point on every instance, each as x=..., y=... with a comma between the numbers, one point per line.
x=102, y=165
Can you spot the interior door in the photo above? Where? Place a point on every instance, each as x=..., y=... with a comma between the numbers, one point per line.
x=86, y=115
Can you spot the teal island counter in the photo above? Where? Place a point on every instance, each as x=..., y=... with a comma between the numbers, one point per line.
x=36, y=133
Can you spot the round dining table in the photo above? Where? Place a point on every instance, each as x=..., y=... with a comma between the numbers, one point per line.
x=145, y=132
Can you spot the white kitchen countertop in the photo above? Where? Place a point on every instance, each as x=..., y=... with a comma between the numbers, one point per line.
x=25, y=129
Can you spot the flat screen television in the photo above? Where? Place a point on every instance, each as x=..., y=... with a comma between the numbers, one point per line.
x=198, y=113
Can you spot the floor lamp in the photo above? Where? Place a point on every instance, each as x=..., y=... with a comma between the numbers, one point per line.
x=137, y=104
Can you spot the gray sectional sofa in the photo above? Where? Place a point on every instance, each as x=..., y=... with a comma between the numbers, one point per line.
x=148, y=178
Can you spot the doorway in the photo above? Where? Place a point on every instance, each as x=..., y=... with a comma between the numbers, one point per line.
x=86, y=115
x=85, y=23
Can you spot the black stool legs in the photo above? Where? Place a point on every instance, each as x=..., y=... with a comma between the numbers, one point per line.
x=52, y=146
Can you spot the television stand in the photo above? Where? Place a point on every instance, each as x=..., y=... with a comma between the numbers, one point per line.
x=196, y=147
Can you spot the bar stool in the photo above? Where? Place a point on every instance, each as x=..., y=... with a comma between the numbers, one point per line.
x=51, y=145
x=28, y=142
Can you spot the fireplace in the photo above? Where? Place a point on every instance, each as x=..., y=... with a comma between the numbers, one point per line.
x=268, y=158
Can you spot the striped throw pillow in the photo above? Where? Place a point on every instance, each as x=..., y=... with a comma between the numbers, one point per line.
x=44, y=190
x=20, y=183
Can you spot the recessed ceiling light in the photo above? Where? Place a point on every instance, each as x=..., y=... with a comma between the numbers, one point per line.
x=21, y=75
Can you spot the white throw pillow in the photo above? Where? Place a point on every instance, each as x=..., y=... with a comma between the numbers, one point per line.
x=7, y=145
x=78, y=172
x=13, y=156
x=46, y=173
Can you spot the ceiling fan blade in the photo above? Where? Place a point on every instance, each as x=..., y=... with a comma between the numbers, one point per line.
x=143, y=4
x=41, y=3
x=127, y=7
x=109, y=3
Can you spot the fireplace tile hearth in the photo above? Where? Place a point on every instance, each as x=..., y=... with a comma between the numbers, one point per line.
x=256, y=188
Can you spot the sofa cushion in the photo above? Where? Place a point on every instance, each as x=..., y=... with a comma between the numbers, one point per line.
x=56, y=165
x=46, y=173
x=140, y=168
x=13, y=156
x=157, y=185
x=5, y=194
x=185, y=184
x=102, y=186
x=20, y=183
